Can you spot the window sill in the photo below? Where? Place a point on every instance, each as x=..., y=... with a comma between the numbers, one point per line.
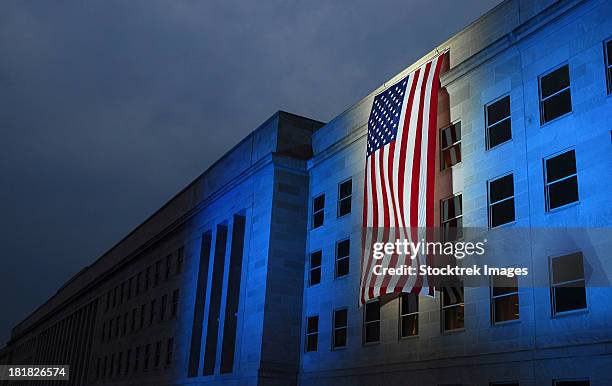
x=506, y=323
x=582, y=311
x=452, y=332
x=508, y=224
x=556, y=119
x=344, y=215
x=499, y=145
x=408, y=338
x=368, y=344
x=561, y=208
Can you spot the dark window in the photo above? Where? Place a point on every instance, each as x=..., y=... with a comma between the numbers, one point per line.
x=107, y=301
x=501, y=201
x=314, y=271
x=142, y=315
x=112, y=365
x=342, y=257
x=608, y=57
x=169, y=351
x=136, y=358
x=147, y=352
x=371, y=322
x=179, y=260
x=498, y=126
x=162, y=312
x=409, y=315
x=157, y=268
x=110, y=329
x=129, y=287
x=504, y=299
x=339, y=332
x=138, y=281
x=568, y=284
x=103, y=332
x=573, y=383
x=119, y=361
x=125, y=320
x=157, y=352
x=175, y=301
x=561, y=180
x=318, y=211
x=147, y=277
x=168, y=267
x=122, y=293
x=555, y=96
x=450, y=145
x=98, y=361
x=133, y=325
x=104, y=366
x=452, y=308
x=117, y=321
x=345, y=192
x=451, y=221
x=115, y=296
x=152, y=312
x=312, y=333
x=128, y=358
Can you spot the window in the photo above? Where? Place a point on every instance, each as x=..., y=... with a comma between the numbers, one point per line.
x=156, y=278
x=103, y=332
x=339, y=328
x=314, y=272
x=175, y=300
x=572, y=383
x=104, y=366
x=555, y=96
x=342, y=257
x=122, y=293
x=128, y=358
x=568, y=284
x=117, y=326
x=497, y=121
x=179, y=260
x=162, y=312
x=114, y=297
x=138, y=280
x=318, y=211
x=136, y=358
x=147, y=352
x=152, y=312
x=409, y=315
x=345, y=191
x=107, y=301
x=561, y=180
x=125, y=320
x=608, y=59
x=501, y=201
x=504, y=299
x=157, y=353
x=142, y=315
x=133, y=325
x=119, y=362
x=169, y=351
x=129, y=287
x=112, y=365
x=451, y=221
x=168, y=265
x=147, y=275
x=371, y=322
x=110, y=329
x=312, y=333
x=98, y=361
x=452, y=309
x=450, y=145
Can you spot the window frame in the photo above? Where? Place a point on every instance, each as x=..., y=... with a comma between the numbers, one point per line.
x=445, y=307
x=315, y=212
x=365, y=322
x=334, y=329
x=443, y=166
x=553, y=304
x=490, y=204
x=337, y=259
x=493, y=298
x=311, y=268
x=607, y=66
x=489, y=125
x=541, y=101
x=307, y=334
x=408, y=314
x=547, y=184
x=341, y=199
x=443, y=222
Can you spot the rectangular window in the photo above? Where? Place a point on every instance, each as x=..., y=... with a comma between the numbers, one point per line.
x=157, y=353
x=112, y=365
x=314, y=271
x=452, y=309
x=561, y=179
x=117, y=321
x=501, y=201
x=175, y=300
x=168, y=266
x=568, y=291
x=451, y=221
x=318, y=211
x=450, y=145
x=104, y=366
x=103, y=332
x=409, y=315
x=98, y=368
x=342, y=257
x=133, y=324
x=169, y=351
x=122, y=293
x=497, y=121
x=371, y=322
x=107, y=301
x=504, y=299
x=162, y=312
x=147, y=278
x=119, y=362
x=128, y=358
x=152, y=313
x=312, y=333
x=136, y=358
x=142, y=315
x=110, y=329
x=129, y=287
x=147, y=352
x=179, y=260
x=345, y=192
x=572, y=383
x=125, y=321
x=115, y=296
x=555, y=96
x=608, y=59
x=138, y=281
x=157, y=268
x=339, y=333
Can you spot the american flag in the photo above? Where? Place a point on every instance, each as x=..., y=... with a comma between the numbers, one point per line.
x=399, y=175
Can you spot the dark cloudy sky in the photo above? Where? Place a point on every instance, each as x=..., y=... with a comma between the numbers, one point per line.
x=108, y=108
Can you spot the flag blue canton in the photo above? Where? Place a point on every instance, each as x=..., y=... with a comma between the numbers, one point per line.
x=385, y=116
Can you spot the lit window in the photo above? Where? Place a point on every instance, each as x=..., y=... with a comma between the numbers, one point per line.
x=504, y=299
x=340, y=328
x=345, y=191
x=451, y=221
x=314, y=273
x=342, y=257
x=608, y=56
x=568, y=283
x=561, y=180
x=498, y=123
x=452, y=309
x=409, y=315
x=555, y=96
x=312, y=333
x=371, y=322
x=501, y=201
x=450, y=145
x=318, y=211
